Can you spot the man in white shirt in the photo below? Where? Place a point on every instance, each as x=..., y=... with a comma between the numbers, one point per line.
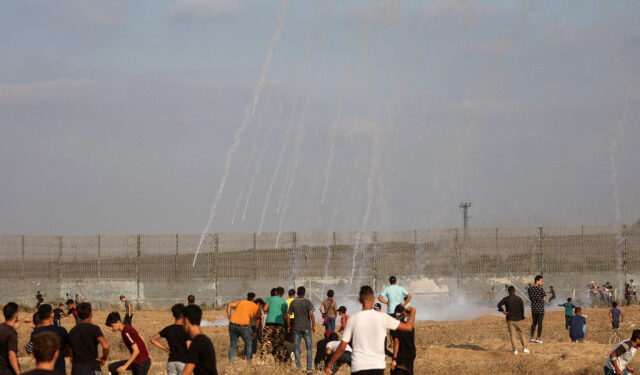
x=618, y=361
x=366, y=330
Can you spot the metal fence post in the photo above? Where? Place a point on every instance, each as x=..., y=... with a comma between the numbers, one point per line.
x=60, y=245
x=540, y=250
x=215, y=269
x=624, y=251
x=457, y=250
x=498, y=264
x=138, y=269
x=255, y=258
x=22, y=249
x=175, y=260
x=374, y=239
x=294, y=240
x=99, y=272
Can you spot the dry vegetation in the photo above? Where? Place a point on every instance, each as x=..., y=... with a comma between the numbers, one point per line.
x=480, y=346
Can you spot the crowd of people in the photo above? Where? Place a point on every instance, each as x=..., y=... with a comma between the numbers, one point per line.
x=278, y=325
x=512, y=306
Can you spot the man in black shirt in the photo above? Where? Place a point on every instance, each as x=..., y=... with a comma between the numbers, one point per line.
x=45, y=314
x=46, y=351
x=177, y=339
x=57, y=315
x=83, y=344
x=9, y=339
x=40, y=299
x=404, y=346
x=537, y=296
x=201, y=356
x=515, y=314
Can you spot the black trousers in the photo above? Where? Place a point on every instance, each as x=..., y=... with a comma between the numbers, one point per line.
x=141, y=369
x=537, y=321
x=567, y=322
x=127, y=319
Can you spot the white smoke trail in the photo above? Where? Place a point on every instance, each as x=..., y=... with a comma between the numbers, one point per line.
x=249, y=112
x=297, y=152
x=256, y=169
x=294, y=106
x=245, y=176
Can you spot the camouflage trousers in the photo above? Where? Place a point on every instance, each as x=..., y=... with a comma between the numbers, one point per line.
x=273, y=335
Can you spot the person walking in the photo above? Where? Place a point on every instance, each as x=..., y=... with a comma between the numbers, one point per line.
x=616, y=316
x=329, y=310
x=84, y=339
x=128, y=311
x=139, y=361
x=394, y=295
x=366, y=330
x=273, y=334
x=618, y=361
x=201, y=356
x=177, y=339
x=537, y=296
x=240, y=324
x=512, y=307
x=303, y=327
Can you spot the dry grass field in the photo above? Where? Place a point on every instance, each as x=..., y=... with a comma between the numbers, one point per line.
x=480, y=346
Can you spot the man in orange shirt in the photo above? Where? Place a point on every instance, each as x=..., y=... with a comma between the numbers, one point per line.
x=240, y=324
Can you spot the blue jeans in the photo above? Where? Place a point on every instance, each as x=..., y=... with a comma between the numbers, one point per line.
x=246, y=334
x=608, y=371
x=308, y=342
x=331, y=324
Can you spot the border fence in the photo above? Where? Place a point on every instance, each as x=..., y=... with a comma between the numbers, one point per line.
x=252, y=260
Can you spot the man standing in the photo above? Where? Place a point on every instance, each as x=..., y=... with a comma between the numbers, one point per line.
x=404, y=347
x=46, y=352
x=177, y=339
x=622, y=355
x=83, y=344
x=128, y=311
x=39, y=298
x=276, y=308
x=46, y=316
x=240, y=324
x=394, y=295
x=9, y=340
x=138, y=362
x=329, y=309
x=201, y=356
x=292, y=297
x=303, y=327
x=515, y=315
x=537, y=296
x=366, y=330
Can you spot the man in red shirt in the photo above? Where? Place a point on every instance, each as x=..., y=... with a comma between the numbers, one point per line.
x=139, y=361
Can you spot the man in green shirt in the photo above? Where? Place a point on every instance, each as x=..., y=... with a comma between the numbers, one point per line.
x=275, y=307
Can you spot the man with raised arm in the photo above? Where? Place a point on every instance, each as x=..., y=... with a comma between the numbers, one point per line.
x=366, y=330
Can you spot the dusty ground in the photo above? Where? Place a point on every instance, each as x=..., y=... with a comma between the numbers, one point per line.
x=480, y=346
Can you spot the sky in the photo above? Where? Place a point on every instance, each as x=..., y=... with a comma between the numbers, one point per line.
x=121, y=116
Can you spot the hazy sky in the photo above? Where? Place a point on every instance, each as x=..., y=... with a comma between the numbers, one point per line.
x=117, y=116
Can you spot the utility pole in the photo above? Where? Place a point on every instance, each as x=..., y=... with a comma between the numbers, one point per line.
x=464, y=206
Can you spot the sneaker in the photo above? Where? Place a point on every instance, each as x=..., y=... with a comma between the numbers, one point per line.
x=539, y=341
x=525, y=350
x=515, y=352
x=532, y=340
